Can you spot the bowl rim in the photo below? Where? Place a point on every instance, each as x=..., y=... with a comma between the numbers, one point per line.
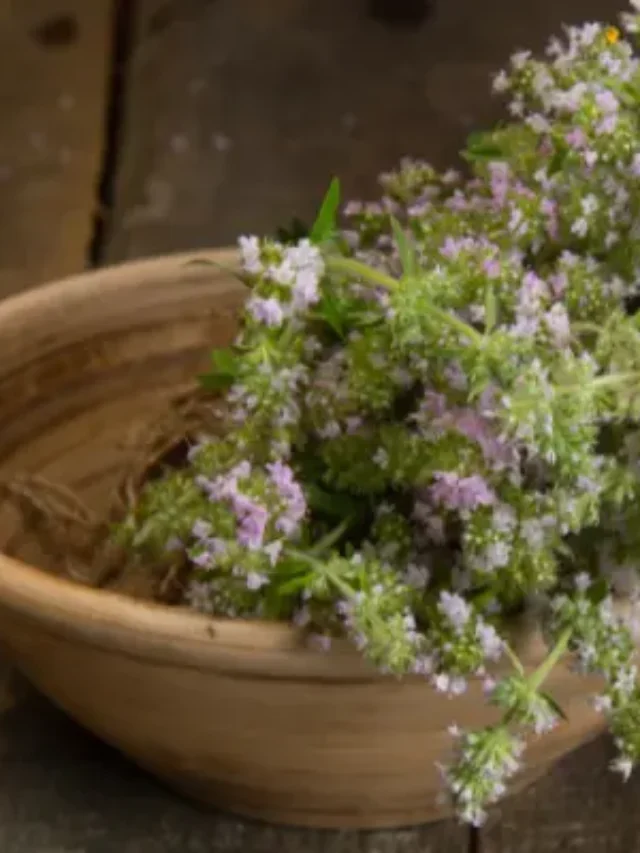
x=111, y=620
x=121, y=624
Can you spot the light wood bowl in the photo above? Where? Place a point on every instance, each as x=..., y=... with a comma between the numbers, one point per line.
x=242, y=715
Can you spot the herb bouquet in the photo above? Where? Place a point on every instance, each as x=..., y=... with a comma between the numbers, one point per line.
x=433, y=417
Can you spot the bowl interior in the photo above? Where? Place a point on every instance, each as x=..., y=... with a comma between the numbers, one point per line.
x=97, y=359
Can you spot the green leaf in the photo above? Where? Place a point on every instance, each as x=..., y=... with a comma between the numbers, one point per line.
x=598, y=590
x=481, y=146
x=225, y=361
x=406, y=249
x=294, y=585
x=226, y=366
x=215, y=381
x=490, y=309
x=325, y=224
x=554, y=706
x=332, y=504
x=330, y=309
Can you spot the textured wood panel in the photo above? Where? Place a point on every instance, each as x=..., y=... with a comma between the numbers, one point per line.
x=239, y=111
x=54, y=57
x=579, y=807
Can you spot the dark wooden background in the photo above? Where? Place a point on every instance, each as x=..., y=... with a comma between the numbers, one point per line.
x=139, y=127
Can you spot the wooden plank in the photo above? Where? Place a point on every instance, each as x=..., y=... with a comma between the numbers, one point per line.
x=64, y=791
x=579, y=806
x=54, y=57
x=239, y=111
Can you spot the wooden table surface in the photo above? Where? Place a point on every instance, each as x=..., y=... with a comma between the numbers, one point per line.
x=136, y=127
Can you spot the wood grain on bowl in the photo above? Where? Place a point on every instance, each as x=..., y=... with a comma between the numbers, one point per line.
x=243, y=715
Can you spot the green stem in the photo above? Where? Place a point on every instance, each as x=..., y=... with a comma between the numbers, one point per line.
x=580, y=326
x=537, y=678
x=352, y=267
x=287, y=335
x=611, y=380
x=323, y=569
x=534, y=682
x=330, y=539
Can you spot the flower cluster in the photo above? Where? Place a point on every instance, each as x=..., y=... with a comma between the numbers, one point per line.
x=434, y=415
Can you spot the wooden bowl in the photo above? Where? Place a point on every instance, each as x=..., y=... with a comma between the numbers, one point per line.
x=239, y=714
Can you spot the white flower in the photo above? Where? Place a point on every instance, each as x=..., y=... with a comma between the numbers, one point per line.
x=250, y=254
x=441, y=682
x=519, y=59
x=199, y=596
x=622, y=765
x=455, y=608
x=602, y=704
x=381, y=458
x=538, y=123
x=501, y=82
x=516, y=108
x=256, y=581
x=580, y=227
x=557, y=321
x=589, y=204
x=582, y=582
x=492, y=644
x=532, y=531
x=273, y=551
x=417, y=576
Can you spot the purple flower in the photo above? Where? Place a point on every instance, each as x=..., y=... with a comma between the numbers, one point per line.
x=353, y=208
x=305, y=289
x=450, y=248
x=267, y=311
x=491, y=266
x=550, y=209
x=557, y=322
x=607, y=102
x=301, y=617
x=423, y=665
x=353, y=424
x=559, y=283
x=576, y=138
x=419, y=208
x=201, y=529
x=461, y=493
x=322, y=642
x=608, y=124
x=253, y=522
x=250, y=254
x=492, y=645
x=635, y=166
x=590, y=158
x=455, y=609
x=256, y=581
x=283, y=479
x=204, y=560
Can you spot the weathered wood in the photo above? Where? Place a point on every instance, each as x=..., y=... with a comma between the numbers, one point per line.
x=579, y=806
x=54, y=57
x=64, y=791
x=240, y=111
